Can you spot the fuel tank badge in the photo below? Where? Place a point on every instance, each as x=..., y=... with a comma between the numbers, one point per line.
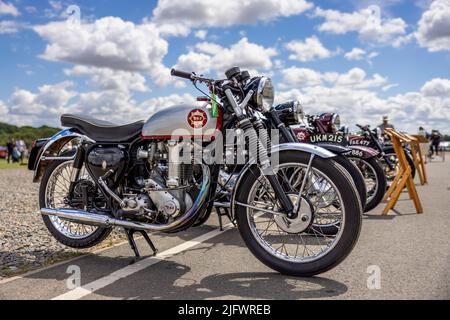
x=197, y=119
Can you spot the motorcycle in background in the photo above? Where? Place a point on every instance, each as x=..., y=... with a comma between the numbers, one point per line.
x=324, y=129
x=271, y=120
x=388, y=157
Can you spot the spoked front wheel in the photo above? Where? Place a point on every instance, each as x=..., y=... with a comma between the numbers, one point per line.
x=295, y=247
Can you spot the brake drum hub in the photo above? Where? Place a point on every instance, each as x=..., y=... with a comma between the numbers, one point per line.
x=299, y=224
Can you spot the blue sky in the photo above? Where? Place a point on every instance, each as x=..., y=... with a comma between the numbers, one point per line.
x=114, y=64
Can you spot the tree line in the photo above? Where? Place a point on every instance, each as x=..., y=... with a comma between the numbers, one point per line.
x=27, y=133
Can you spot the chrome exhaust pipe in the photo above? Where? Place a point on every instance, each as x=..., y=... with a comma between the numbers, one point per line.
x=92, y=219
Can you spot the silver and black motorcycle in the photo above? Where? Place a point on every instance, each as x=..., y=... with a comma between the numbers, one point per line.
x=147, y=177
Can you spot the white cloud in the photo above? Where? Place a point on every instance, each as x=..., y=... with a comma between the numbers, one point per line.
x=361, y=106
x=370, y=27
x=170, y=14
x=437, y=87
x=9, y=26
x=356, y=97
x=108, y=79
x=201, y=34
x=434, y=27
x=299, y=77
x=152, y=105
x=108, y=43
x=355, y=54
x=50, y=101
x=8, y=9
x=308, y=50
x=355, y=78
x=206, y=57
x=3, y=108
x=389, y=87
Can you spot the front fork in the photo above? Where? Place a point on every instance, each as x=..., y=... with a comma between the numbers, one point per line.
x=255, y=144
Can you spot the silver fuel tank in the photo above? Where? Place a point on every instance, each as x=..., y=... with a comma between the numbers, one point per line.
x=186, y=121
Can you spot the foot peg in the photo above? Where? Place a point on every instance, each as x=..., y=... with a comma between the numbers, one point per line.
x=130, y=234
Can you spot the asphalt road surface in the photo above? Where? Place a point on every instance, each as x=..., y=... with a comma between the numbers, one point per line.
x=409, y=255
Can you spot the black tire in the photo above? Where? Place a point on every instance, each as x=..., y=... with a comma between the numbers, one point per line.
x=360, y=186
x=390, y=150
x=95, y=238
x=357, y=177
x=381, y=183
x=350, y=231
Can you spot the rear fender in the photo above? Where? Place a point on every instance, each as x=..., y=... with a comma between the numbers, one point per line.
x=52, y=150
x=335, y=148
x=35, y=153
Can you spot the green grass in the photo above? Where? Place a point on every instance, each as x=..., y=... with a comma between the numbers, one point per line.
x=5, y=165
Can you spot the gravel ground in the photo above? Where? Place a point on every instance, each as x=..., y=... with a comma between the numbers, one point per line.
x=25, y=242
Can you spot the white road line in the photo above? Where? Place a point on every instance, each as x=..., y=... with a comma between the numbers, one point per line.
x=96, y=285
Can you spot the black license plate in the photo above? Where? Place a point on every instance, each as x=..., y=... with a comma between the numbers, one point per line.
x=329, y=138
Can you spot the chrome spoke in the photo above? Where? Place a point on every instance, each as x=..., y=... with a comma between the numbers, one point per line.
x=57, y=190
x=325, y=201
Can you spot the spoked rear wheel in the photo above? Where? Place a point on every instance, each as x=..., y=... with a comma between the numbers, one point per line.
x=53, y=194
x=293, y=247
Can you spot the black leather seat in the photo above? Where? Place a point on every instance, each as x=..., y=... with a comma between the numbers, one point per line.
x=102, y=131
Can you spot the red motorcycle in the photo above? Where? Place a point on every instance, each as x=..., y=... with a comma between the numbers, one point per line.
x=324, y=129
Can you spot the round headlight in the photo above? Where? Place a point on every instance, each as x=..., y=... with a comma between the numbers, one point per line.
x=265, y=95
x=335, y=123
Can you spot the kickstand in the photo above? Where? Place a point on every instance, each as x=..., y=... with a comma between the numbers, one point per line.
x=223, y=212
x=130, y=234
x=219, y=214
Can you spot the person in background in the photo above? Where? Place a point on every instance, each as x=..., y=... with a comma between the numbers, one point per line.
x=16, y=155
x=22, y=148
x=423, y=133
x=424, y=147
x=435, y=140
x=385, y=125
x=10, y=147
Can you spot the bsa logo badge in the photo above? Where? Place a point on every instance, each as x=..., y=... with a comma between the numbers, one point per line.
x=301, y=136
x=197, y=119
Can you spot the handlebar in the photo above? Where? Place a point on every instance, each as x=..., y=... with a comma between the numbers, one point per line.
x=364, y=128
x=182, y=74
x=191, y=76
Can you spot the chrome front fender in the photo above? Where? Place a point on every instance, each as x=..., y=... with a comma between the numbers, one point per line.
x=51, y=151
x=303, y=147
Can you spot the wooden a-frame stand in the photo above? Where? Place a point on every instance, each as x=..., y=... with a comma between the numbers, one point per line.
x=403, y=178
x=419, y=157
